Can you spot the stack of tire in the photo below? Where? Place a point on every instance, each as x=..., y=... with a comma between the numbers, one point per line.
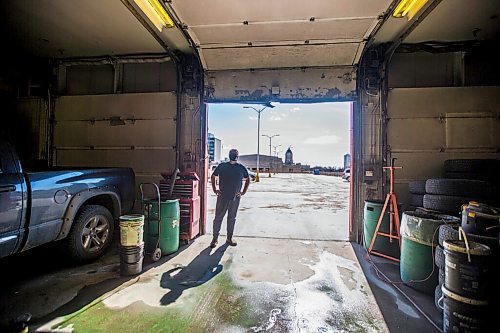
x=465, y=180
x=475, y=169
x=417, y=192
x=481, y=226
x=448, y=195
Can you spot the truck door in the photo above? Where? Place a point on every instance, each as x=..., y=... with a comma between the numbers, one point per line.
x=11, y=200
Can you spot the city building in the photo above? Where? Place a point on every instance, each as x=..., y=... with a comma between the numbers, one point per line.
x=265, y=161
x=347, y=161
x=289, y=157
x=214, y=148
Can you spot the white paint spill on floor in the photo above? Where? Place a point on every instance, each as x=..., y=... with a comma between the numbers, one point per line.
x=325, y=299
x=270, y=323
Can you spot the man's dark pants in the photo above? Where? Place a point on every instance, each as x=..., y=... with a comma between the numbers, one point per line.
x=229, y=205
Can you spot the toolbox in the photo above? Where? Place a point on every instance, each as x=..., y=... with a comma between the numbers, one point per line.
x=186, y=189
x=190, y=218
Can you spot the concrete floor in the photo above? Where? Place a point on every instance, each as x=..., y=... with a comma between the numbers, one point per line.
x=292, y=271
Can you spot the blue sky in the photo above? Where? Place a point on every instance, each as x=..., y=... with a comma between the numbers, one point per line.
x=317, y=133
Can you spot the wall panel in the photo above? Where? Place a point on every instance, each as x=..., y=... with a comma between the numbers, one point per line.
x=427, y=126
x=118, y=130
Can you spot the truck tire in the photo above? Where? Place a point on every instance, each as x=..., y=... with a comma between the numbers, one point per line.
x=439, y=257
x=417, y=200
x=471, y=165
x=438, y=293
x=444, y=203
x=459, y=187
x=450, y=232
x=91, y=233
x=417, y=187
x=467, y=175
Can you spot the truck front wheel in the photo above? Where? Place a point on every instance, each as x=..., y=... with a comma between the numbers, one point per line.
x=91, y=233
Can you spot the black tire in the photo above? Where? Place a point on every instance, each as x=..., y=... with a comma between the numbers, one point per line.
x=74, y=243
x=459, y=187
x=441, y=276
x=417, y=200
x=450, y=232
x=417, y=187
x=443, y=203
x=438, y=293
x=439, y=257
x=471, y=165
x=475, y=176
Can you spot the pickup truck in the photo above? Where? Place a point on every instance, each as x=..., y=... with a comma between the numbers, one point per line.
x=76, y=207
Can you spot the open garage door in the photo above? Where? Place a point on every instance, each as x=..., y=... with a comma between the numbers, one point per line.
x=257, y=51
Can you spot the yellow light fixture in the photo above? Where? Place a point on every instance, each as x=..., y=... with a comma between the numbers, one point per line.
x=408, y=7
x=156, y=13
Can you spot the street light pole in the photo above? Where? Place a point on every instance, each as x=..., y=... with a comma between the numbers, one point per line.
x=259, y=111
x=276, y=155
x=270, y=156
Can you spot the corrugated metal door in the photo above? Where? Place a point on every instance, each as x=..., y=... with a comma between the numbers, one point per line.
x=122, y=130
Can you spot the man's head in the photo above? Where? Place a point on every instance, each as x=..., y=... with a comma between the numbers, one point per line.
x=233, y=155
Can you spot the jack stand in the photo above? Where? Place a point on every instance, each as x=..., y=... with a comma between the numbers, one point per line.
x=394, y=222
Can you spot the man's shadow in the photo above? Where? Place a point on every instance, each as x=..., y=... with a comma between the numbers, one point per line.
x=203, y=268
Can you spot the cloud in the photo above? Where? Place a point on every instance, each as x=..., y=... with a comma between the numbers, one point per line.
x=323, y=140
x=284, y=115
x=274, y=118
x=295, y=109
x=252, y=118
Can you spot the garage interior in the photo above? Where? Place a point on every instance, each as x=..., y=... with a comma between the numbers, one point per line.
x=100, y=83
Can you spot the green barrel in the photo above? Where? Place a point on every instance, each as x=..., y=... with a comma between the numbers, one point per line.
x=170, y=220
x=419, y=237
x=372, y=211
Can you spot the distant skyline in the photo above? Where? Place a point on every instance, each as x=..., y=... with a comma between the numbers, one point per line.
x=317, y=133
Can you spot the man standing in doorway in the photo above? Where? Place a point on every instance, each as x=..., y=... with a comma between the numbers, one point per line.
x=231, y=175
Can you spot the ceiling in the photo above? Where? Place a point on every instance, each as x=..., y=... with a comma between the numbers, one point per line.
x=237, y=34
x=79, y=28
x=449, y=21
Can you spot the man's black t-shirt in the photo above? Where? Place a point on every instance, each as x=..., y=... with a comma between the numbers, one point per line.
x=230, y=178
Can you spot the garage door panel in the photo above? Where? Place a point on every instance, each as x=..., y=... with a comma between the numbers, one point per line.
x=285, y=85
x=419, y=133
x=150, y=161
x=472, y=130
x=424, y=165
x=283, y=31
x=281, y=56
x=195, y=12
x=161, y=105
x=433, y=102
x=419, y=165
x=143, y=133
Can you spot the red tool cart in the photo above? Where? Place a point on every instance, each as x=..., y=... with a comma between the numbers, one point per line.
x=185, y=188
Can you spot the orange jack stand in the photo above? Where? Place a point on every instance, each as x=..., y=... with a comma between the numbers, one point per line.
x=390, y=201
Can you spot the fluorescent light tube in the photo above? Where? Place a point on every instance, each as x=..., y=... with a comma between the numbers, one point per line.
x=155, y=13
x=408, y=8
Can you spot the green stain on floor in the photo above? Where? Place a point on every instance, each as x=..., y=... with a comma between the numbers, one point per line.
x=135, y=318
x=214, y=305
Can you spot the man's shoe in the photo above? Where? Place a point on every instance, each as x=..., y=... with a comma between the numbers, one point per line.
x=213, y=244
x=230, y=242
